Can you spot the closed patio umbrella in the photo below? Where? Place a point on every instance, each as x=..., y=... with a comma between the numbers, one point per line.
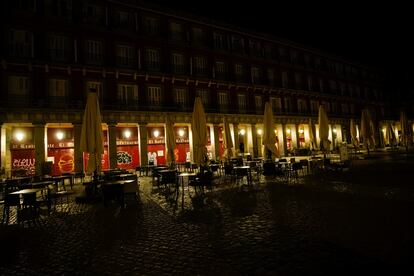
x=91, y=135
x=323, y=128
x=406, y=131
x=390, y=135
x=169, y=128
x=312, y=142
x=228, y=142
x=269, y=136
x=199, y=130
x=367, y=130
x=353, y=131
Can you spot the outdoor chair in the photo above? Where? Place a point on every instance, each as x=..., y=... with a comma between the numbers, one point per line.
x=10, y=200
x=203, y=180
x=131, y=188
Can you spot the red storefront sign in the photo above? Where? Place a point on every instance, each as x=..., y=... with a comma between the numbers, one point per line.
x=22, y=151
x=60, y=146
x=24, y=160
x=182, y=144
x=221, y=143
x=156, y=145
x=127, y=147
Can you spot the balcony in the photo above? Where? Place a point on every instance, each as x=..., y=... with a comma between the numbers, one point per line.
x=126, y=61
x=20, y=50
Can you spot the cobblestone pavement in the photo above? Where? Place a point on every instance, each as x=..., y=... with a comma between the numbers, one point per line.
x=359, y=221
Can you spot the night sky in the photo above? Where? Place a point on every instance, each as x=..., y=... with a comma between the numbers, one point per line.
x=377, y=34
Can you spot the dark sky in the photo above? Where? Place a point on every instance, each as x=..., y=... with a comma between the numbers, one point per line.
x=375, y=33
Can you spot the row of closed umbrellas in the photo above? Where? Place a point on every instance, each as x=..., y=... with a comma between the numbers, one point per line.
x=92, y=135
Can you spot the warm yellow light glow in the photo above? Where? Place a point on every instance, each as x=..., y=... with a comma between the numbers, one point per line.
x=242, y=131
x=288, y=131
x=59, y=135
x=276, y=131
x=156, y=133
x=334, y=130
x=260, y=131
x=181, y=132
x=19, y=136
x=384, y=129
x=301, y=130
x=127, y=133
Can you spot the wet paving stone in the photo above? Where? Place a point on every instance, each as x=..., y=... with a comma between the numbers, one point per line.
x=338, y=224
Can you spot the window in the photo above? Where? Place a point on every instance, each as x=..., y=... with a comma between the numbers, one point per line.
x=334, y=108
x=177, y=62
x=352, y=108
x=255, y=48
x=223, y=100
x=58, y=47
x=127, y=94
x=258, y=103
x=294, y=57
x=125, y=55
x=151, y=25
x=237, y=44
x=327, y=106
x=94, y=51
x=204, y=94
x=271, y=76
x=18, y=86
x=94, y=14
x=321, y=85
x=221, y=70
x=153, y=59
x=332, y=86
x=176, y=31
x=61, y=8
x=302, y=106
x=242, y=103
x=345, y=109
x=200, y=65
x=239, y=71
x=298, y=81
x=283, y=54
x=58, y=88
x=268, y=51
x=256, y=75
x=124, y=19
x=181, y=97
x=20, y=43
x=285, y=80
x=154, y=95
x=276, y=104
x=198, y=36
x=25, y=5
x=95, y=86
x=219, y=41
x=310, y=83
x=314, y=106
x=288, y=105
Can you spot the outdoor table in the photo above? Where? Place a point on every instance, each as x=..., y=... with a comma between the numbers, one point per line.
x=114, y=190
x=182, y=176
x=244, y=171
x=148, y=168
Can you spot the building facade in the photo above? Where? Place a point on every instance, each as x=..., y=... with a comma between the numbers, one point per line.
x=147, y=64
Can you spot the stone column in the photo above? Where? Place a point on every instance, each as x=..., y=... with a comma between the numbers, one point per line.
x=143, y=143
x=284, y=140
x=254, y=140
x=78, y=154
x=236, y=138
x=40, y=147
x=216, y=142
x=297, y=136
x=112, y=145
